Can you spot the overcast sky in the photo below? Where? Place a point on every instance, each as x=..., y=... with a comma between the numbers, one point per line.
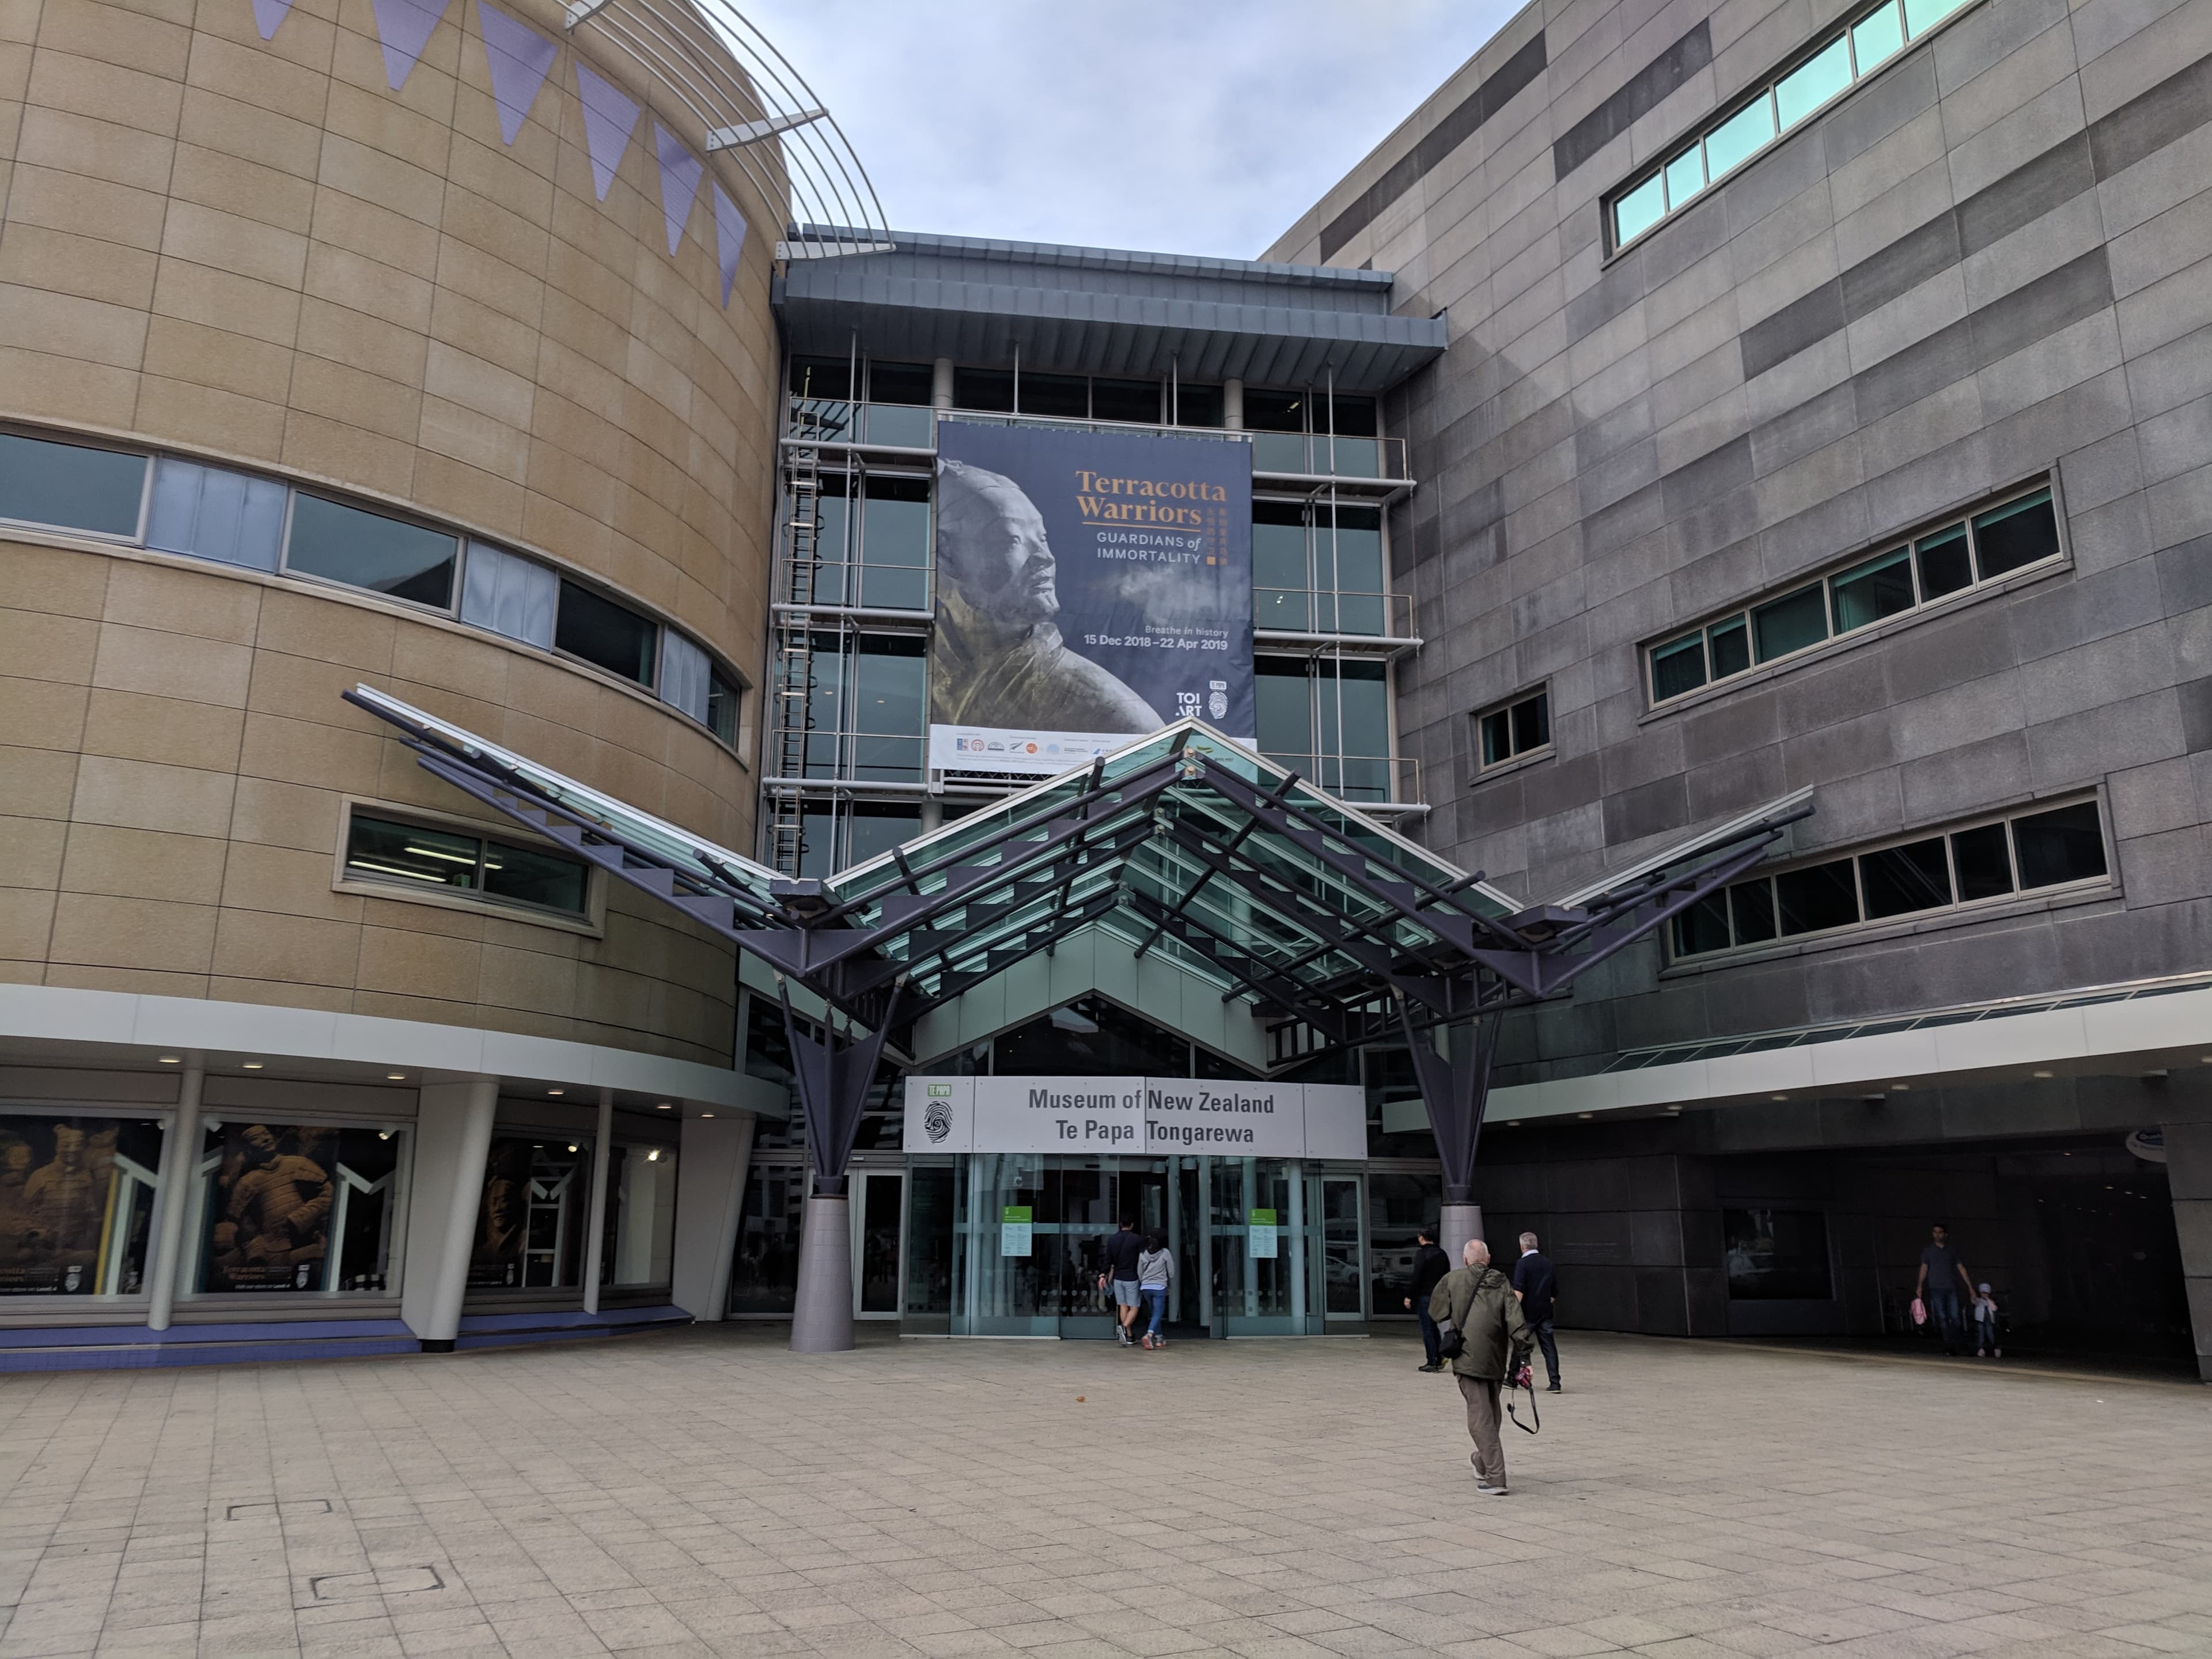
x=1186, y=126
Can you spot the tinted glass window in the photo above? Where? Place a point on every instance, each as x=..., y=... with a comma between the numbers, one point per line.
x=1686, y=175
x=1751, y=904
x=1738, y=136
x=70, y=486
x=1275, y=411
x=1283, y=702
x=1349, y=417
x=1880, y=587
x=722, y=709
x=1812, y=82
x=513, y=596
x=1532, y=724
x=887, y=709
x=821, y=377
x=1063, y=395
x=1678, y=667
x=1197, y=405
x=1902, y=879
x=1808, y=901
x=1703, y=926
x=1361, y=719
x=380, y=850
x=523, y=875
x=1921, y=16
x=1983, y=861
x=1126, y=400
x=1731, y=647
x=988, y=389
x=1791, y=623
x=367, y=549
x=1352, y=558
x=211, y=513
x=2016, y=534
x=1876, y=39
x=1279, y=578
x=1497, y=738
x=2066, y=845
x=895, y=543
x=1640, y=208
x=1942, y=558
x=610, y=635
x=899, y=383
x=879, y=826
x=684, y=673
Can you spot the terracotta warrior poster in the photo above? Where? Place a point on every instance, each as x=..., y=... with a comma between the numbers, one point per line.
x=1091, y=587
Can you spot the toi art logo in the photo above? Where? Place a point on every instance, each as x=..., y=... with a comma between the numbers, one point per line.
x=937, y=1120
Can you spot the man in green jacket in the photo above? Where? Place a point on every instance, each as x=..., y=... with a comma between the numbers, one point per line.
x=1479, y=1302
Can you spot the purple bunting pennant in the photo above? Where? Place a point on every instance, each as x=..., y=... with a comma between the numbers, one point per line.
x=680, y=173
x=729, y=240
x=268, y=14
x=520, y=60
x=609, y=120
x=404, y=27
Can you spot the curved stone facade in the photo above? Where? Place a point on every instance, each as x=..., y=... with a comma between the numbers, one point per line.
x=260, y=252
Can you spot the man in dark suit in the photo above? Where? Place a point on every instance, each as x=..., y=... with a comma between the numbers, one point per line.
x=1537, y=1285
x=1430, y=1266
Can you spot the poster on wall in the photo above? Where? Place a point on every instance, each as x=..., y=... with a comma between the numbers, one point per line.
x=76, y=1196
x=1092, y=587
x=269, y=1211
x=530, y=1223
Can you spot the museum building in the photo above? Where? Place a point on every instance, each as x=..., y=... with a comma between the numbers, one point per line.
x=472, y=492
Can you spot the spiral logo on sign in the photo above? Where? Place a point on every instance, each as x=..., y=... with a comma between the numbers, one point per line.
x=937, y=1120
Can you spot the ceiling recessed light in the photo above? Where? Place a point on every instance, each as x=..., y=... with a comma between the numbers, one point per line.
x=1512, y=1122
x=1899, y=1088
x=2043, y=1074
x=706, y=1115
x=395, y=1076
x=2148, y=1076
x=1585, y=1116
x=179, y=1059
x=572, y=1145
x=1777, y=1097
x=557, y=1091
x=254, y=1064
x=664, y=1106
x=653, y=1157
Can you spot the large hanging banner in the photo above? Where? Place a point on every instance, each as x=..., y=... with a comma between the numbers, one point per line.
x=1092, y=587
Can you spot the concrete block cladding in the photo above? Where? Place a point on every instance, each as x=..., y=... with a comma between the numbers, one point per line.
x=1892, y=310
x=454, y=276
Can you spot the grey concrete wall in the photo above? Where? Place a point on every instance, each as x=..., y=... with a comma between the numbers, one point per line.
x=1991, y=259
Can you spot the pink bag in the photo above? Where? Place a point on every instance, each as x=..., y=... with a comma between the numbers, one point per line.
x=1919, y=1312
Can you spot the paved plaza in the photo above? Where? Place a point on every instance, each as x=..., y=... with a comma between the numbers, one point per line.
x=707, y=1492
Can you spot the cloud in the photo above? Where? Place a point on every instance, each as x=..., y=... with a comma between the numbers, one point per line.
x=1171, y=125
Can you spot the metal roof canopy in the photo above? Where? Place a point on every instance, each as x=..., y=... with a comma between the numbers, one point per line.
x=1183, y=842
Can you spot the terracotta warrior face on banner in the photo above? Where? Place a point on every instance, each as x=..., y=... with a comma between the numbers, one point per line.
x=992, y=548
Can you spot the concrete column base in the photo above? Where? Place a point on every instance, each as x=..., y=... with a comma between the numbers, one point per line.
x=1457, y=1223
x=822, y=1315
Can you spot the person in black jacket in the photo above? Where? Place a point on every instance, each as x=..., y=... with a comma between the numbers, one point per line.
x=1538, y=1285
x=1430, y=1266
x=1122, y=1274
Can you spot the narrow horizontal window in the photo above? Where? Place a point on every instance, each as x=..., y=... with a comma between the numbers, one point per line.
x=372, y=550
x=424, y=860
x=2018, y=532
x=1812, y=82
x=509, y=595
x=2050, y=847
x=1876, y=38
x=606, y=634
x=1738, y=138
x=1686, y=176
x=1922, y=16
x=1640, y=208
x=70, y=486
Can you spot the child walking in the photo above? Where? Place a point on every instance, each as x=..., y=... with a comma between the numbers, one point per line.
x=1985, y=1324
x=1155, y=1273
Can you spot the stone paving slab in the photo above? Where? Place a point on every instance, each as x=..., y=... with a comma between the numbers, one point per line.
x=705, y=1492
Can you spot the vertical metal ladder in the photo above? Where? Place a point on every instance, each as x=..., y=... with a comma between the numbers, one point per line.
x=794, y=653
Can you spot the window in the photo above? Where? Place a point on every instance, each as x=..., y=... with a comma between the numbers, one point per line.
x=1521, y=728
x=1823, y=74
x=424, y=860
x=78, y=1198
x=880, y=558
x=1985, y=547
x=1134, y=401
x=208, y=513
x=510, y=595
x=833, y=836
x=531, y=1219
x=299, y=1209
x=605, y=635
x=362, y=549
x=70, y=486
x=638, y=1248
x=1778, y=1255
x=1196, y=405
x=1329, y=720
x=864, y=709
x=2022, y=853
x=1317, y=570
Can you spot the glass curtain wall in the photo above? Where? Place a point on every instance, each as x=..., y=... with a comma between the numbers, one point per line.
x=1328, y=718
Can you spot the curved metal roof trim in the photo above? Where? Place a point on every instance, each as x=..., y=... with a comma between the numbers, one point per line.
x=1076, y=257
x=759, y=115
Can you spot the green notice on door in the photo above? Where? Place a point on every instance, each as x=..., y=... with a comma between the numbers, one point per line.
x=1014, y=1230
x=1260, y=1233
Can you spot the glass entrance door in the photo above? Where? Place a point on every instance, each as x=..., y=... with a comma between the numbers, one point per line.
x=1344, y=1281
x=877, y=1219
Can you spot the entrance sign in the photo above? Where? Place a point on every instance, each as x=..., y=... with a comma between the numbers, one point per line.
x=1014, y=1228
x=1091, y=586
x=1259, y=1229
x=1136, y=1116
